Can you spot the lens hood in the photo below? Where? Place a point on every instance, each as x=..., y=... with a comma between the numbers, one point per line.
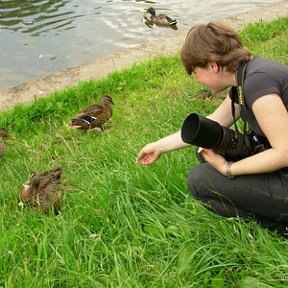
x=201, y=131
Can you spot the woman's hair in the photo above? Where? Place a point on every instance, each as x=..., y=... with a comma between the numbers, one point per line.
x=213, y=42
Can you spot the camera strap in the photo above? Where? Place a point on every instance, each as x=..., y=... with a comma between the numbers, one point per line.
x=260, y=143
x=240, y=77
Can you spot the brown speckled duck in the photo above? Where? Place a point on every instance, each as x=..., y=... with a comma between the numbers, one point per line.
x=93, y=117
x=3, y=133
x=208, y=94
x=40, y=190
x=159, y=19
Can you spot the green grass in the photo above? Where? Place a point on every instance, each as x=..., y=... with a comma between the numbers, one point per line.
x=121, y=224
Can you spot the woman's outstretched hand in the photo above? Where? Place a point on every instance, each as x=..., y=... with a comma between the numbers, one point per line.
x=148, y=155
x=151, y=152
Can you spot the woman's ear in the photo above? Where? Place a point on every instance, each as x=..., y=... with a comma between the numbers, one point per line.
x=214, y=66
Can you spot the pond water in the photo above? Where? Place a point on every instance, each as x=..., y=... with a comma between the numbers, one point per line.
x=40, y=37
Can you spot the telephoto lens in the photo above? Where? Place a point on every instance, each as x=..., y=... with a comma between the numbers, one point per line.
x=206, y=133
x=201, y=131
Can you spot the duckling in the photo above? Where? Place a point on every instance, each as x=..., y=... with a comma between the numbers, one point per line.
x=160, y=19
x=3, y=133
x=93, y=117
x=39, y=190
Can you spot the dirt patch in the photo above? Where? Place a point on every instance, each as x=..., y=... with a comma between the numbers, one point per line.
x=101, y=67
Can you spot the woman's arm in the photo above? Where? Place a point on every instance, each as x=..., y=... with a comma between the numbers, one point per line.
x=223, y=114
x=151, y=152
x=272, y=117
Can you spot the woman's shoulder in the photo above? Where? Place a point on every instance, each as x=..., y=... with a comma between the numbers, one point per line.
x=265, y=76
x=265, y=65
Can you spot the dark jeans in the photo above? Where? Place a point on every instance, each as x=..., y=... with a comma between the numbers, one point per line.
x=263, y=197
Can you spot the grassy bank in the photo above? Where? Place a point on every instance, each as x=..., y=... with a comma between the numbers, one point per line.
x=121, y=224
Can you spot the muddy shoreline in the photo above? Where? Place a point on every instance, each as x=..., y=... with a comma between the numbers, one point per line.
x=101, y=67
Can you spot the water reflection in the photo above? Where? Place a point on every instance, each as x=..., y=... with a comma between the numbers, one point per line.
x=36, y=16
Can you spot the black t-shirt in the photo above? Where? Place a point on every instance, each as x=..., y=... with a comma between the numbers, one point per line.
x=263, y=76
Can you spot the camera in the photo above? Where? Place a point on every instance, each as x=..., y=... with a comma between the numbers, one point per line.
x=233, y=145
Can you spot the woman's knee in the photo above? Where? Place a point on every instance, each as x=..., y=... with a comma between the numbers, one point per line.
x=195, y=181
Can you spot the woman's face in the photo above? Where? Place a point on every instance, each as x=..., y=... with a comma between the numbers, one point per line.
x=211, y=76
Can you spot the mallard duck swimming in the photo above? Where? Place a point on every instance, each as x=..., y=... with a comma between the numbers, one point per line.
x=3, y=133
x=39, y=190
x=93, y=117
x=160, y=19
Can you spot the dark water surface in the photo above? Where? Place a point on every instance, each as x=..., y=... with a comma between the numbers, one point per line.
x=40, y=37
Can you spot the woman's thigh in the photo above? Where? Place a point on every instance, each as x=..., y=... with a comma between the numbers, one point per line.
x=262, y=194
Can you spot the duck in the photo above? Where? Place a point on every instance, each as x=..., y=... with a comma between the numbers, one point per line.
x=94, y=116
x=3, y=133
x=160, y=19
x=208, y=94
x=40, y=190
